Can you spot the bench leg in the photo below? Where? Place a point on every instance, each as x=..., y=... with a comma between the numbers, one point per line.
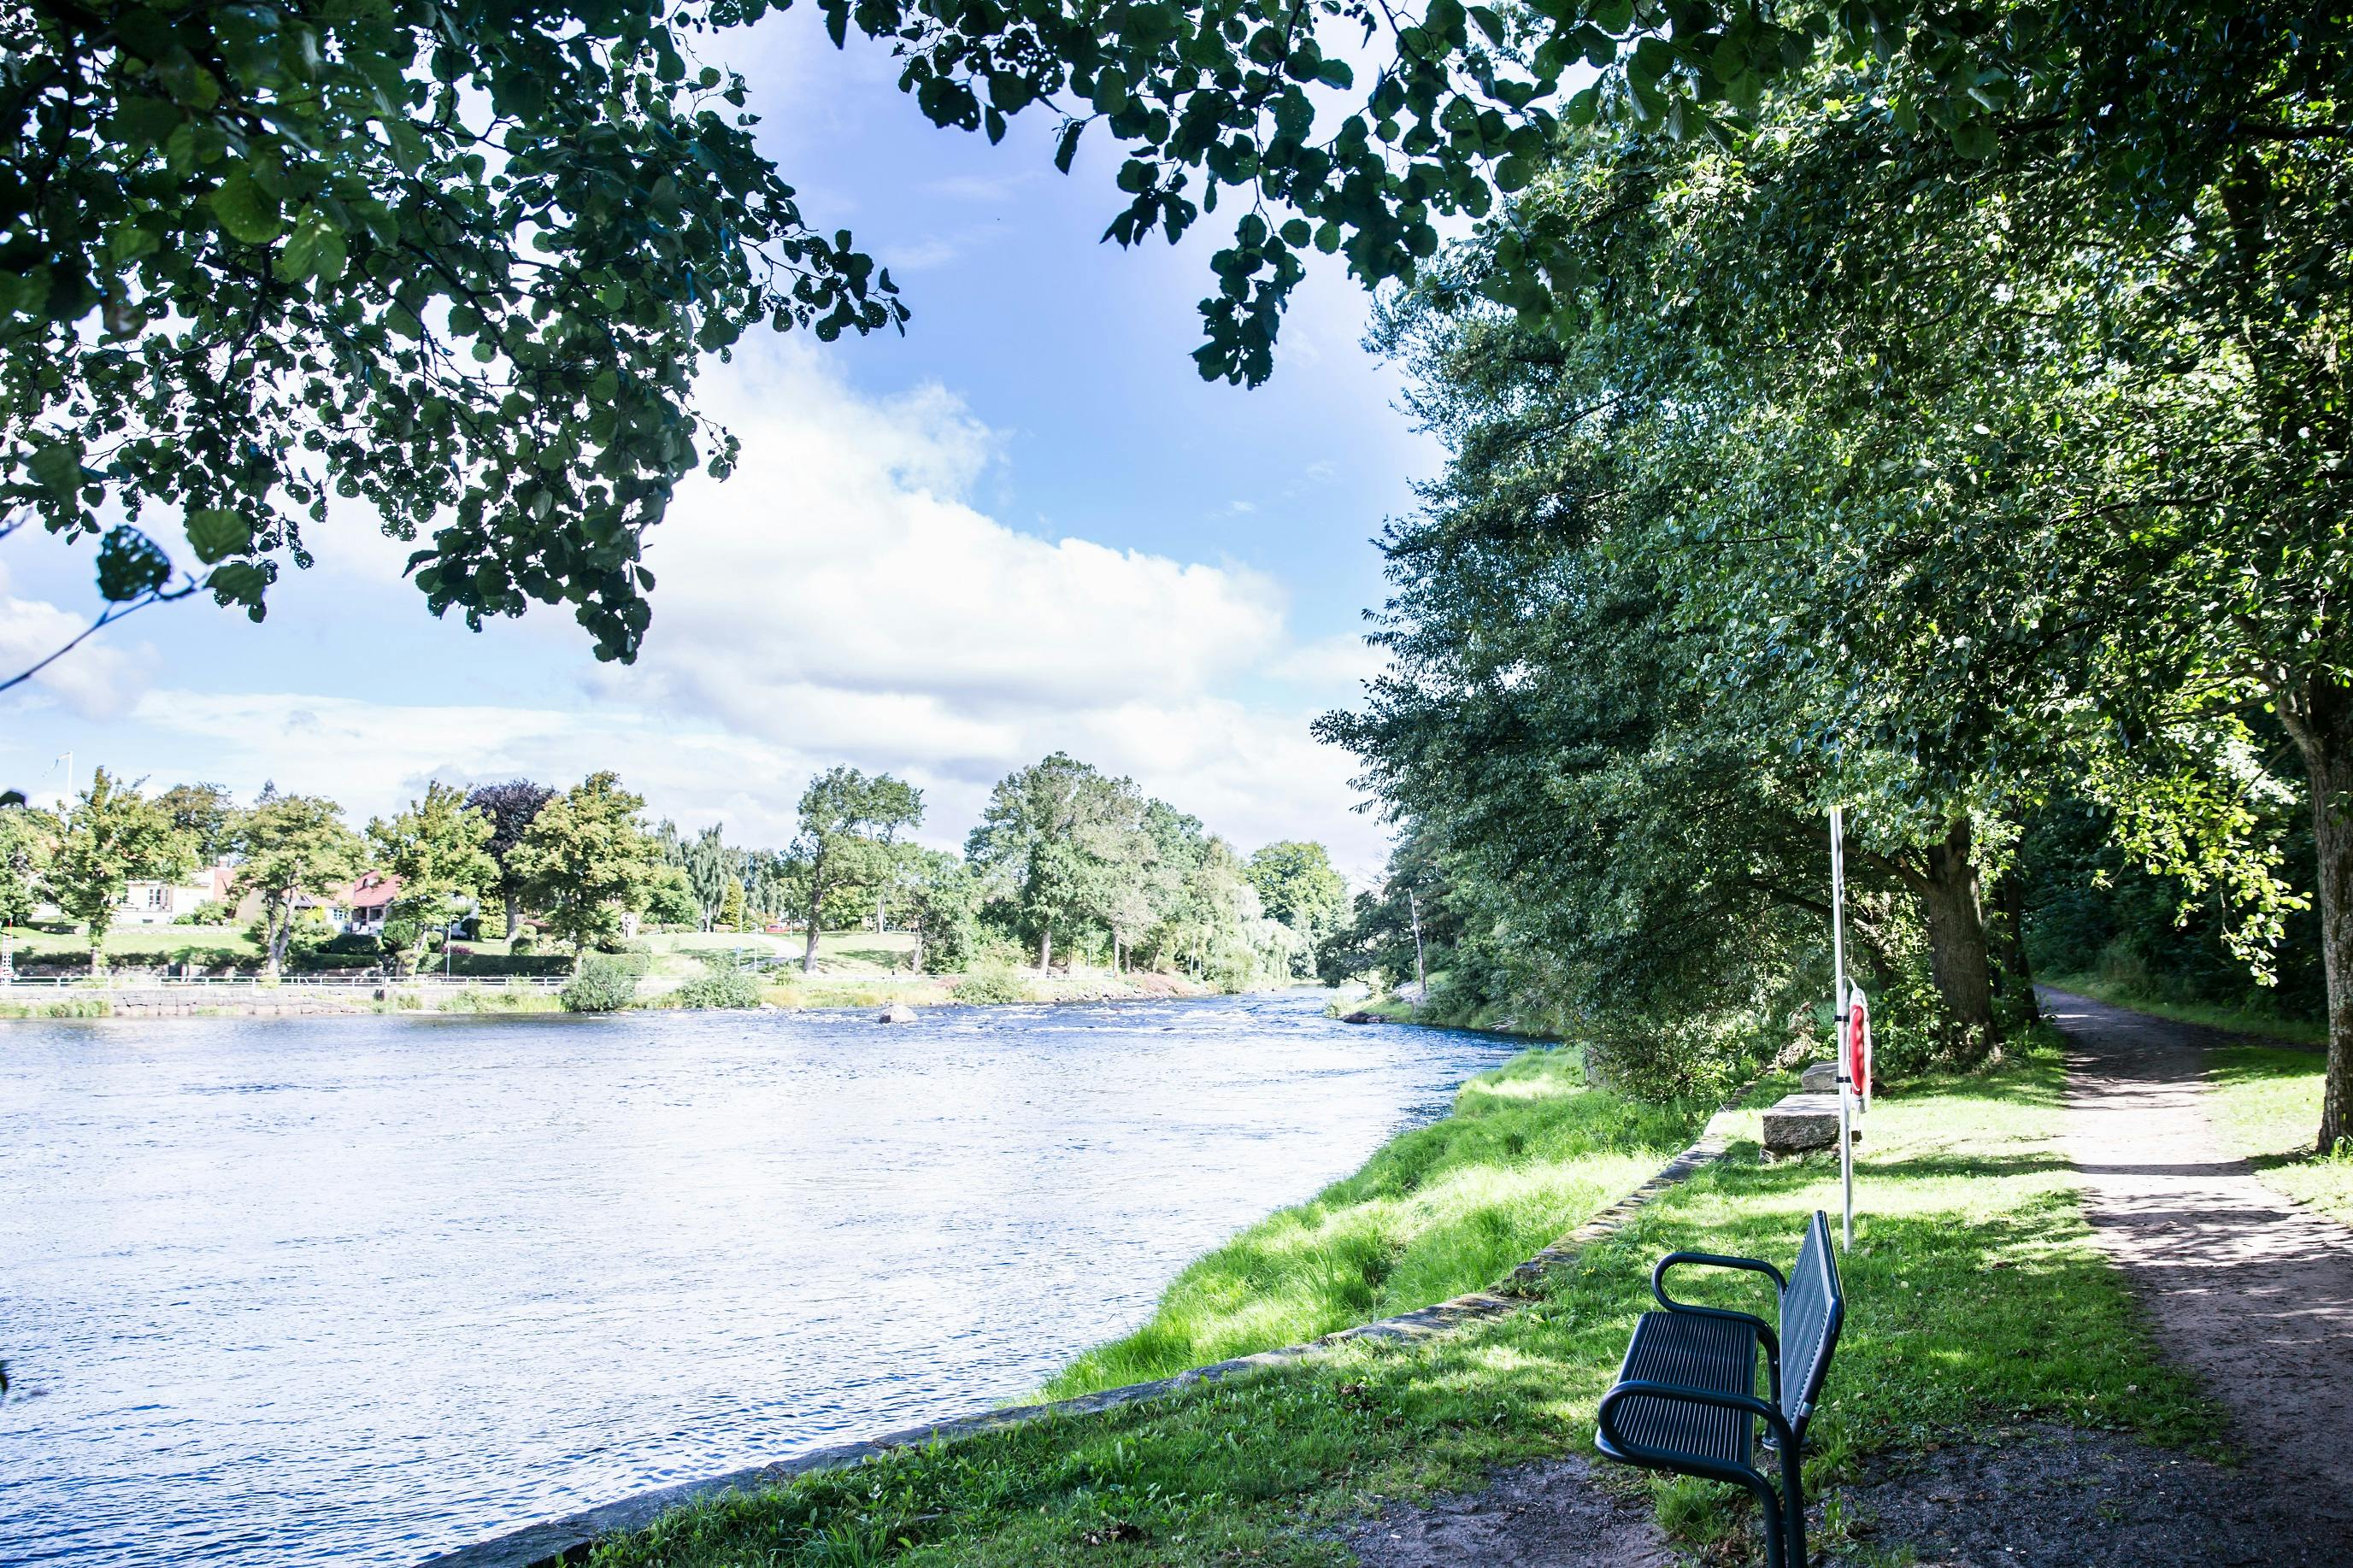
x=1793, y=1506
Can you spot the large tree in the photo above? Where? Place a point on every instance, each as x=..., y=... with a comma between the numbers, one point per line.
x=458, y=263
x=29, y=836
x=587, y=860
x=436, y=845
x=1049, y=840
x=289, y=847
x=1297, y=886
x=113, y=836
x=207, y=813
x=846, y=817
x=509, y=806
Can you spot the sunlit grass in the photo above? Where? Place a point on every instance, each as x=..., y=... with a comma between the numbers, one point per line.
x=2266, y=1104
x=1975, y=1298
x=1528, y=1151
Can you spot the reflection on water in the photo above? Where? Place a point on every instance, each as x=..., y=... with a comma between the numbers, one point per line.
x=365, y=1289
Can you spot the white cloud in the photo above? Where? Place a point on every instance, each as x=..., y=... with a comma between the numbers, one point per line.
x=96, y=680
x=1340, y=663
x=841, y=599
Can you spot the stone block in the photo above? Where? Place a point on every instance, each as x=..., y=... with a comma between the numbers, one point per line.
x=1803, y=1122
x=1819, y=1077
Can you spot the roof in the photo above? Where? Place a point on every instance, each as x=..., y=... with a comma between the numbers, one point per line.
x=372, y=891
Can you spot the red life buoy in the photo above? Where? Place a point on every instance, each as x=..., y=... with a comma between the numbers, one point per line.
x=1858, y=1049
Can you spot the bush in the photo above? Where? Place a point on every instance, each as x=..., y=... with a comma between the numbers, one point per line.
x=628, y=947
x=722, y=983
x=603, y=982
x=211, y=912
x=992, y=984
x=526, y=940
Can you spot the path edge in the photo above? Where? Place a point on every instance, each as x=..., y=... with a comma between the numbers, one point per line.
x=569, y=1538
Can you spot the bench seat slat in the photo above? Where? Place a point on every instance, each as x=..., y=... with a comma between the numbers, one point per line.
x=1714, y=1353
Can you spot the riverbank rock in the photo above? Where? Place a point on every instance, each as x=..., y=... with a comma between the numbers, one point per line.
x=1360, y=1016
x=896, y=1013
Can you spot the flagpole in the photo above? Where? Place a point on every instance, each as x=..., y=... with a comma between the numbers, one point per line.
x=1839, y=1017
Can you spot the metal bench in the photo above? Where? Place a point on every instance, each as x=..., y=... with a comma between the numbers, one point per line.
x=1686, y=1400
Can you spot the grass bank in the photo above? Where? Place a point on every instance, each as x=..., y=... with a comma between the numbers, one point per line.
x=2231, y=1020
x=1977, y=1301
x=2266, y=1104
x=1527, y=1153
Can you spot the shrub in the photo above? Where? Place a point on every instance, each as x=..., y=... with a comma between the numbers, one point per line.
x=628, y=947
x=991, y=985
x=526, y=940
x=722, y=983
x=603, y=983
x=211, y=912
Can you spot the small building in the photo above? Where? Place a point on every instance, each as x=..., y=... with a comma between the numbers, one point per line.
x=159, y=903
x=362, y=909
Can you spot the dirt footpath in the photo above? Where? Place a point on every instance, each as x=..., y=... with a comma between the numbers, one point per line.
x=2245, y=1289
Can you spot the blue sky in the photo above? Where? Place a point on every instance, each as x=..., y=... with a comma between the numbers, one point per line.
x=1026, y=524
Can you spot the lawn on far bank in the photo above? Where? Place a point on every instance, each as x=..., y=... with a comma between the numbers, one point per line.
x=141, y=945
x=2264, y=1103
x=1977, y=1301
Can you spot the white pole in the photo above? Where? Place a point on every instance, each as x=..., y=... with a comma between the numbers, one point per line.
x=1838, y=1016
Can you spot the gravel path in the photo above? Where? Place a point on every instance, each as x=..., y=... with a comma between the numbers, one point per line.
x=2252, y=1292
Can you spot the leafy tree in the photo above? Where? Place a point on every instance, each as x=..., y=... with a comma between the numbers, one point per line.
x=436, y=848
x=723, y=983
x=1297, y=886
x=844, y=815
x=1046, y=841
x=897, y=806
x=28, y=838
x=587, y=860
x=290, y=848
x=670, y=899
x=113, y=836
x=509, y=807
x=207, y=813
x=942, y=900
x=730, y=908
x=456, y=265
x=712, y=866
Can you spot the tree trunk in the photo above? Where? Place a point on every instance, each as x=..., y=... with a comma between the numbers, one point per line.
x=917, y=957
x=2013, y=974
x=2320, y=718
x=808, y=952
x=280, y=927
x=1957, y=957
x=1045, y=950
x=880, y=893
x=514, y=917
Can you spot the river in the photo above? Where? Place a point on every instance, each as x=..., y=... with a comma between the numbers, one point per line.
x=364, y=1289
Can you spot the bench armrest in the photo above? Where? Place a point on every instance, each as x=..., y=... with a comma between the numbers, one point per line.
x=1709, y=1261
x=1691, y=1464
x=1765, y=1331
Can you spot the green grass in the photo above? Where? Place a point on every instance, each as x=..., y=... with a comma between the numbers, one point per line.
x=142, y=944
x=1528, y=1153
x=2265, y=1105
x=1977, y=1300
x=2231, y=1020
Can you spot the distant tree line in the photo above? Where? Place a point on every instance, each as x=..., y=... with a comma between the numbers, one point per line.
x=1067, y=863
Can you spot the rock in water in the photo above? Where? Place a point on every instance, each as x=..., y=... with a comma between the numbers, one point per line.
x=897, y=1013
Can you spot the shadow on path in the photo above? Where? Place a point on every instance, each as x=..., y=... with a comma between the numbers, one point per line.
x=2247, y=1289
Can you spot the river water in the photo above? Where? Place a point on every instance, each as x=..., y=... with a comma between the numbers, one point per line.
x=364, y=1289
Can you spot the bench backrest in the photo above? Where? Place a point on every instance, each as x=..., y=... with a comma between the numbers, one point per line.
x=1813, y=1308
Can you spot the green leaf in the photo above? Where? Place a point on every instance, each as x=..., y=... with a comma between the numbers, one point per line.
x=247, y=213
x=129, y=564
x=56, y=467
x=216, y=532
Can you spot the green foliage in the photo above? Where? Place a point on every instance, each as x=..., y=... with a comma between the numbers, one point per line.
x=992, y=984
x=723, y=983
x=436, y=848
x=28, y=838
x=941, y=899
x=847, y=820
x=586, y=859
x=671, y=899
x=731, y=906
x=455, y=266
x=1297, y=886
x=509, y=807
x=113, y=836
x=602, y=982
x=207, y=813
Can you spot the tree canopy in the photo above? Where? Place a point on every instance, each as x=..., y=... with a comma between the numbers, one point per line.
x=289, y=847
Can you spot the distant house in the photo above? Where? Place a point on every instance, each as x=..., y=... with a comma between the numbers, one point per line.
x=155, y=903
x=362, y=909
